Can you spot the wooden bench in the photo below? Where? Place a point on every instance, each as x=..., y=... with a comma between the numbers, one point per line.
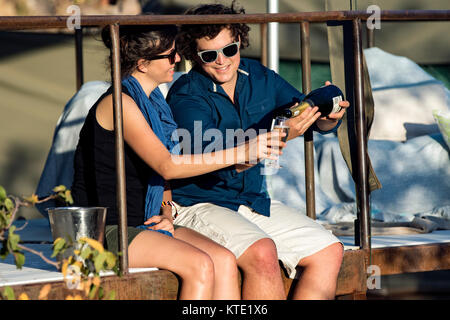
x=163, y=284
x=351, y=284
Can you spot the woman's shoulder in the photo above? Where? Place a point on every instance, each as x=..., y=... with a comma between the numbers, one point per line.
x=107, y=100
x=103, y=111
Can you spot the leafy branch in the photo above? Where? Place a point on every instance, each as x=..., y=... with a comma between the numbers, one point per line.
x=81, y=270
x=9, y=206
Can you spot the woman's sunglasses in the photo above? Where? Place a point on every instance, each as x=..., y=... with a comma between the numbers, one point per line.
x=171, y=56
x=228, y=51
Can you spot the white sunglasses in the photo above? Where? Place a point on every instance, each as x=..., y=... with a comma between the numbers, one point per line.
x=230, y=50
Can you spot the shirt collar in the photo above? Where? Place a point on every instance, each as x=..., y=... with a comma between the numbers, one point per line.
x=211, y=85
x=243, y=72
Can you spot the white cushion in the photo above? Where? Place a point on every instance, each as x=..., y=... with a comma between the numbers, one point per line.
x=404, y=97
x=405, y=113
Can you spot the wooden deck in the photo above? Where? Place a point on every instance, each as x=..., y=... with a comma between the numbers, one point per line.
x=392, y=254
x=352, y=281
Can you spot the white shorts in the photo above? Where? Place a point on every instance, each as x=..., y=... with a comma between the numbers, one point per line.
x=296, y=236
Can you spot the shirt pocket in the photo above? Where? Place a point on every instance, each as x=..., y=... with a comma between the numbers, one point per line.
x=258, y=112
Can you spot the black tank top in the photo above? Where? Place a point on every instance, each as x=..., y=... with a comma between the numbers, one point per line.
x=94, y=182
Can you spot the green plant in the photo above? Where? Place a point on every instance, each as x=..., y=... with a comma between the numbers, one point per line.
x=81, y=270
x=9, y=206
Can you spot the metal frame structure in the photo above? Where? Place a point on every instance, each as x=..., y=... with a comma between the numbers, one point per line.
x=353, y=18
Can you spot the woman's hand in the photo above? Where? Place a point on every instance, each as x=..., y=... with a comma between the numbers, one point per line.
x=161, y=223
x=265, y=146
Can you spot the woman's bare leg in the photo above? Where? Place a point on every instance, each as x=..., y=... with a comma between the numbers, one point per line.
x=226, y=281
x=195, y=267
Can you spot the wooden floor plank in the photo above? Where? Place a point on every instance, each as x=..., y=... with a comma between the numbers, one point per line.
x=396, y=260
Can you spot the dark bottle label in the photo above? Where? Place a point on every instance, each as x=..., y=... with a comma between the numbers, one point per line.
x=327, y=98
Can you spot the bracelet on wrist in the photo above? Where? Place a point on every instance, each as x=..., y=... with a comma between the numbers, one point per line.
x=166, y=203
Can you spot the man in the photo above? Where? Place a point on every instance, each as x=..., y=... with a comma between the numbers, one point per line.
x=231, y=206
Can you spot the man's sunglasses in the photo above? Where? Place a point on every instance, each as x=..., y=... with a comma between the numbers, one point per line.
x=171, y=56
x=228, y=51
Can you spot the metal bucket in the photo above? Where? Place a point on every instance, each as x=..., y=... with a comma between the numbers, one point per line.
x=73, y=223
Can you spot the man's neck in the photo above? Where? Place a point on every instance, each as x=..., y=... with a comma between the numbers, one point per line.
x=229, y=88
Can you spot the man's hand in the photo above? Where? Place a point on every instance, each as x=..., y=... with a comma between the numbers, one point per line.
x=329, y=122
x=299, y=124
x=242, y=167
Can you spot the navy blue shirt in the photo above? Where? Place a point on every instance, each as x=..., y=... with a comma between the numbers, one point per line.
x=205, y=111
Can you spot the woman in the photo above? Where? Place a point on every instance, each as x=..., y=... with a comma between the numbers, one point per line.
x=148, y=57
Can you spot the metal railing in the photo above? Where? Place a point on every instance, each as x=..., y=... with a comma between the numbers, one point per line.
x=352, y=19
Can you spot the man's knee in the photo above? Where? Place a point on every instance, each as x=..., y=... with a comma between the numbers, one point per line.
x=329, y=257
x=260, y=257
x=335, y=253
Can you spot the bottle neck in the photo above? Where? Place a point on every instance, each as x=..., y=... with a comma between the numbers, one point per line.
x=298, y=109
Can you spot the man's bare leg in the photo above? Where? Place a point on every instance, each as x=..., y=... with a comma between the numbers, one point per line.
x=319, y=276
x=261, y=272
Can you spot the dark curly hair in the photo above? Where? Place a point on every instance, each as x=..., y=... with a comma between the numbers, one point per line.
x=140, y=42
x=186, y=39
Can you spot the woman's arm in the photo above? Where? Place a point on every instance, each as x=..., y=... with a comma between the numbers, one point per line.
x=164, y=221
x=141, y=138
x=166, y=210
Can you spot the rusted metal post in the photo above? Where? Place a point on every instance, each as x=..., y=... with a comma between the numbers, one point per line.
x=120, y=160
x=79, y=56
x=370, y=37
x=263, y=28
x=362, y=184
x=308, y=136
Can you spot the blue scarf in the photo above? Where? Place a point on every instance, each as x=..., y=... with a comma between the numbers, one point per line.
x=159, y=116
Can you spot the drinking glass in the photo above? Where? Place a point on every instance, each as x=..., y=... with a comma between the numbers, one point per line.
x=279, y=123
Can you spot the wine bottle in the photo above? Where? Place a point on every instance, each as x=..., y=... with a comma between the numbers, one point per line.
x=327, y=98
